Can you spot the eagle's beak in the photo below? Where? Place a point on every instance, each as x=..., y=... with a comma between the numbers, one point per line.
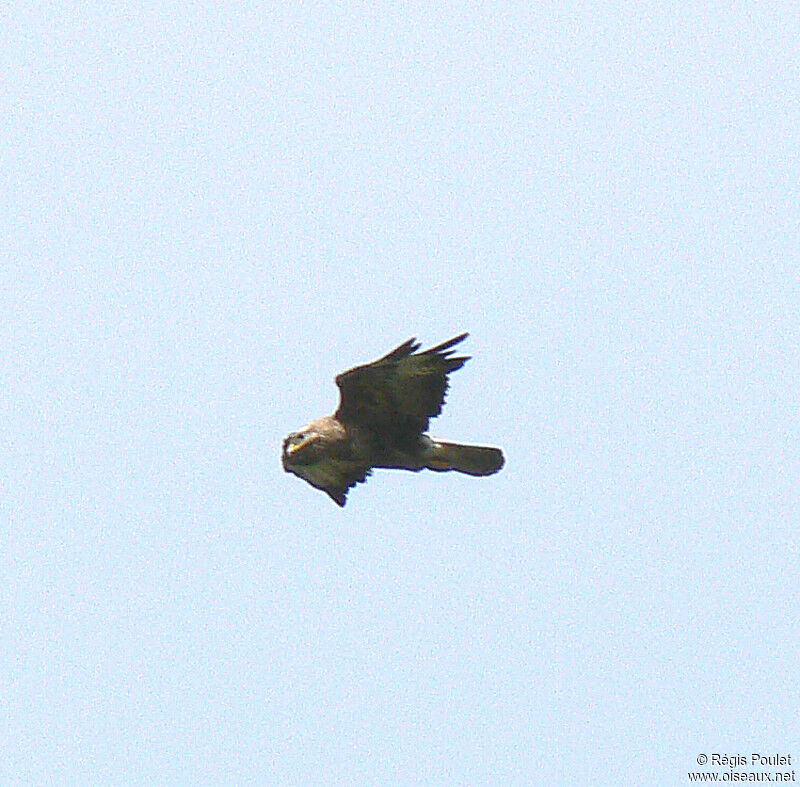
x=307, y=440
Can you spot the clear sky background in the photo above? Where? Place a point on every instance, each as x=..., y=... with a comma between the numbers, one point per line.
x=210, y=210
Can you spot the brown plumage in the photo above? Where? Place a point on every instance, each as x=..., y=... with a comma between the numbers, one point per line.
x=384, y=409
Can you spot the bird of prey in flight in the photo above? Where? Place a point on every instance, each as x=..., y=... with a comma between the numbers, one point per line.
x=383, y=414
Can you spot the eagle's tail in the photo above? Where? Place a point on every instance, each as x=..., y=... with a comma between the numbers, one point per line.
x=470, y=459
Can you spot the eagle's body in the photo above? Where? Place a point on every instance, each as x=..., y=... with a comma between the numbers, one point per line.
x=384, y=411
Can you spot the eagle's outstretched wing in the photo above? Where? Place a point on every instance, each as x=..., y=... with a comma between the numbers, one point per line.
x=338, y=478
x=395, y=396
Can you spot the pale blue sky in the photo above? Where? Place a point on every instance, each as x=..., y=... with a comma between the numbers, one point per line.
x=210, y=211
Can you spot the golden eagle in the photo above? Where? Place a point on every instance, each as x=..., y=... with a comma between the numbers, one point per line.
x=384, y=410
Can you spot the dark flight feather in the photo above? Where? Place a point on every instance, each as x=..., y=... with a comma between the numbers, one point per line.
x=399, y=393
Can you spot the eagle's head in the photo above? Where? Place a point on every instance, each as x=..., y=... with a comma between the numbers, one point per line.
x=301, y=448
x=322, y=454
